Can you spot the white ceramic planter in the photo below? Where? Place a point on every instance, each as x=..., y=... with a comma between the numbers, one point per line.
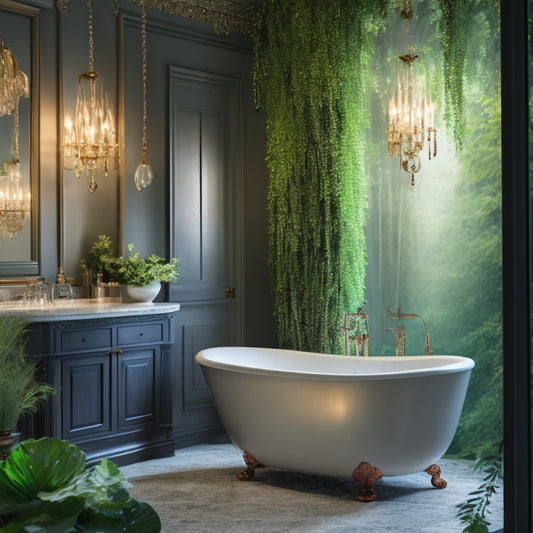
x=144, y=294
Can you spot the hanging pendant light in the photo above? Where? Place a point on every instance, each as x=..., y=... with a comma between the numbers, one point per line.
x=143, y=174
x=91, y=141
x=411, y=113
x=15, y=197
x=13, y=82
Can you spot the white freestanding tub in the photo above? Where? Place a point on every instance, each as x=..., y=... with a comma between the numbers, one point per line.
x=340, y=416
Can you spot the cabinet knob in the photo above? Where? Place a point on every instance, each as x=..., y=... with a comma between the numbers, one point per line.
x=114, y=350
x=230, y=292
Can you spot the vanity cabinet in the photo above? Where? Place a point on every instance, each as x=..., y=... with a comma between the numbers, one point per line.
x=112, y=377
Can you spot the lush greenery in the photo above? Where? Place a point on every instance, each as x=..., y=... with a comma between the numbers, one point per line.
x=138, y=270
x=311, y=57
x=473, y=511
x=470, y=295
x=45, y=486
x=103, y=247
x=434, y=249
x=456, y=22
x=134, y=269
x=20, y=393
x=312, y=78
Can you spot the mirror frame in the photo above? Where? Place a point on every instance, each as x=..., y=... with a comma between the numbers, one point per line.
x=15, y=272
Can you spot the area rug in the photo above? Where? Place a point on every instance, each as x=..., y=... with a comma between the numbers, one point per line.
x=198, y=491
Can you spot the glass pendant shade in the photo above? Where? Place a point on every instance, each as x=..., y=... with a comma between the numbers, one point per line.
x=91, y=141
x=143, y=175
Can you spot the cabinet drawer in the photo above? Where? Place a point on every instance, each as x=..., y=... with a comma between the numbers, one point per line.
x=85, y=339
x=140, y=333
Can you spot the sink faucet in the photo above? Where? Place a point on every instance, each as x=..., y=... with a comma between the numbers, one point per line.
x=398, y=315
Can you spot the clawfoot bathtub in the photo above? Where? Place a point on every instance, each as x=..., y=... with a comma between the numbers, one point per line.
x=360, y=417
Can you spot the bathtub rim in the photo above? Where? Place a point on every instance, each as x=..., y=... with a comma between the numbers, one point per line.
x=451, y=364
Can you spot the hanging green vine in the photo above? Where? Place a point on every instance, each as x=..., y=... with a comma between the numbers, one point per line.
x=309, y=75
x=455, y=24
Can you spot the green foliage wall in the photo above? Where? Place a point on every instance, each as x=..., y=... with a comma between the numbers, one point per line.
x=311, y=58
x=324, y=72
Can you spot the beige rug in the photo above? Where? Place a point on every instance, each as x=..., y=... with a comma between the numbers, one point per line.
x=197, y=490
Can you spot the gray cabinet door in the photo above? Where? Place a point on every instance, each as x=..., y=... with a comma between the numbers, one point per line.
x=205, y=213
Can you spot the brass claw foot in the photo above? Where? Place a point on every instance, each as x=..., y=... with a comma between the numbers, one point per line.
x=436, y=480
x=252, y=464
x=367, y=475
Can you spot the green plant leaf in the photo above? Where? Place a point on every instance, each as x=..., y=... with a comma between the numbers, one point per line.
x=131, y=516
x=95, y=484
x=37, y=465
x=46, y=517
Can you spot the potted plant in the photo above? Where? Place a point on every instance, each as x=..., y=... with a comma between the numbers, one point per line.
x=20, y=393
x=141, y=275
x=103, y=247
x=45, y=485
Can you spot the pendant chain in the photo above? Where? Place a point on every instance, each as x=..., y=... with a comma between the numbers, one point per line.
x=144, y=68
x=91, y=41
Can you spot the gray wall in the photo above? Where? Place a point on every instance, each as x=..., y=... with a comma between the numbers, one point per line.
x=117, y=208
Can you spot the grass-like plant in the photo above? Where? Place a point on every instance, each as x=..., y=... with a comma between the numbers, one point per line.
x=20, y=393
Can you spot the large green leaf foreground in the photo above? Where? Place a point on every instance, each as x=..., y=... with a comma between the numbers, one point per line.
x=46, y=487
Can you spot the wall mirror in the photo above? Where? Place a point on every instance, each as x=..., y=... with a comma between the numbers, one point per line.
x=19, y=29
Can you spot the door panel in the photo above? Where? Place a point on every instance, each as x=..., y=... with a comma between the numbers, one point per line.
x=136, y=389
x=205, y=217
x=86, y=400
x=196, y=338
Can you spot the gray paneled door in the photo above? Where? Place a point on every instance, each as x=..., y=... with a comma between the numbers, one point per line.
x=205, y=214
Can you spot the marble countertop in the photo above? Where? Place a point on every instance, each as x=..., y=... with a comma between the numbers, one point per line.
x=81, y=309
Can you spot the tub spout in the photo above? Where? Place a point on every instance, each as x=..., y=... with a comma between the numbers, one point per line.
x=398, y=315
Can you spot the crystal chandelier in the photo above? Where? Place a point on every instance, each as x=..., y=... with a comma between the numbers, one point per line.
x=91, y=141
x=13, y=82
x=15, y=198
x=411, y=113
x=143, y=175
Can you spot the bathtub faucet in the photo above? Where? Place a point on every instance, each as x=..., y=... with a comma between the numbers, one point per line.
x=398, y=315
x=355, y=329
x=399, y=334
